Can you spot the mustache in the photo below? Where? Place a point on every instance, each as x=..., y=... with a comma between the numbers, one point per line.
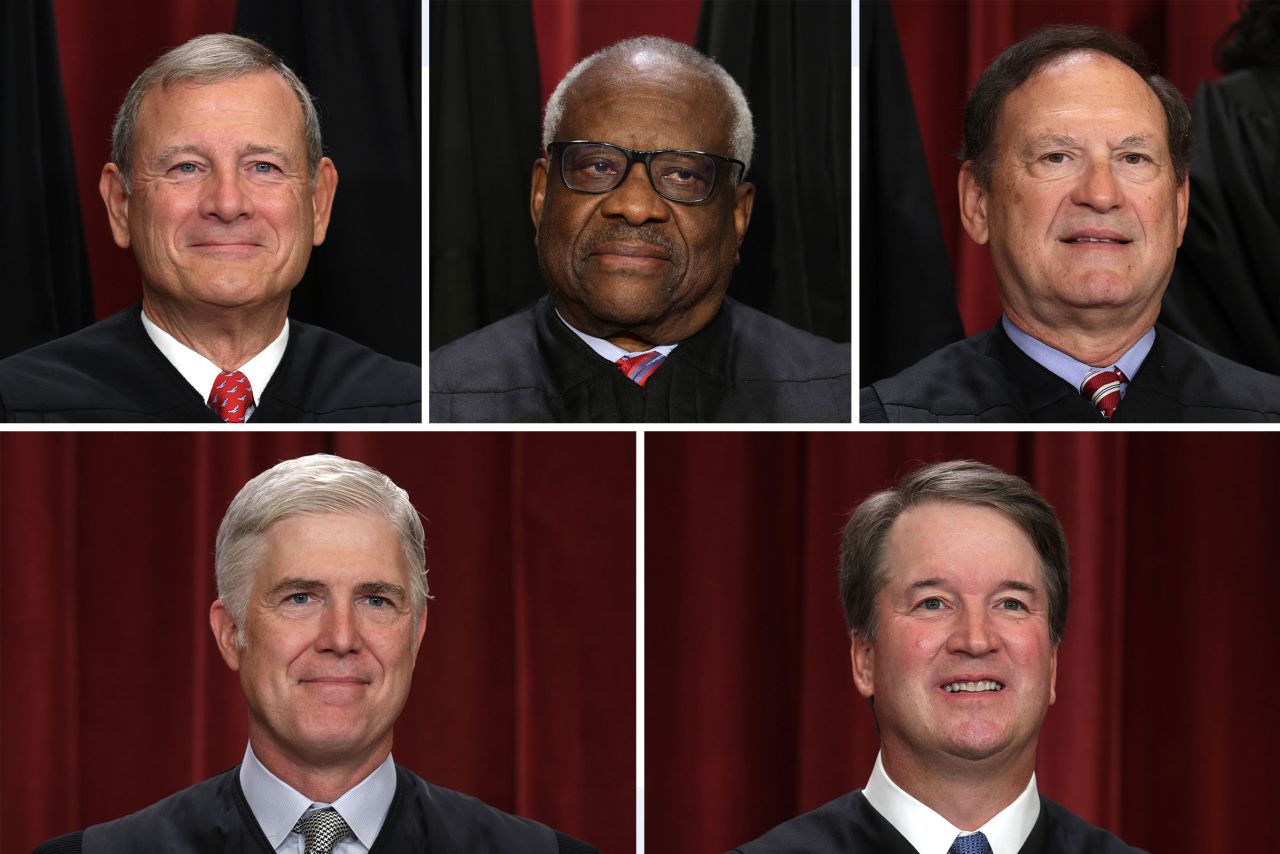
x=634, y=234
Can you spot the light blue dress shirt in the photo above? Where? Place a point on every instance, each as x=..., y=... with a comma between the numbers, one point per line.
x=1074, y=372
x=277, y=806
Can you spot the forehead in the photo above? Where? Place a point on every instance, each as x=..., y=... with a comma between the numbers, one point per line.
x=647, y=102
x=1079, y=91
x=971, y=546
x=259, y=106
x=332, y=547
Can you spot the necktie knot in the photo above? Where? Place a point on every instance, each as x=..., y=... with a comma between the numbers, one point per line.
x=1102, y=389
x=639, y=368
x=231, y=397
x=974, y=843
x=321, y=829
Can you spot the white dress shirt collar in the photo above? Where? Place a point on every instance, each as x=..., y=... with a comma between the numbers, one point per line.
x=200, y=373
x=930, y=833
x=610, y=351
x=277, y=806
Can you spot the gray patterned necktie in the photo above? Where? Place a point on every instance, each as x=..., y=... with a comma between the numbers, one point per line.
x=975, y=843
x=321, y=829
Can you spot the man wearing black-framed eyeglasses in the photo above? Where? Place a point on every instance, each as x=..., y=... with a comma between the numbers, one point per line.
x=640, y=204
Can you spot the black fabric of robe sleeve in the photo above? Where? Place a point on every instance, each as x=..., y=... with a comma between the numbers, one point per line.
x=908, y=301
x=363, y=64
x=1225, y=293
x=46, y=271
x=485, y=135
x=793, y=63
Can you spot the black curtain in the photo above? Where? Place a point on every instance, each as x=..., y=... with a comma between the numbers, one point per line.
x=907, y=306
x=485, y=134
x=793, y=62
x=46, y=270
x=362, y=62
x=1225, y=292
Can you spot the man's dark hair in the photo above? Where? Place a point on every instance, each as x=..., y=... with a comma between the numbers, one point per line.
x=1013, y=67
x=863, y=573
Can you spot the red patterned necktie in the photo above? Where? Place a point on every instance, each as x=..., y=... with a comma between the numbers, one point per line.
x=231, y=397
x=639, y=368
x=1102, y=388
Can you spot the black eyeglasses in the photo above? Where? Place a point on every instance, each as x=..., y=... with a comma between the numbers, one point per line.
x=687, y=177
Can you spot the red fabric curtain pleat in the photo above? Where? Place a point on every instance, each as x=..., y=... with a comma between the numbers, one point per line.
x=1164, y=708
x=947, y=44
x=114, y=694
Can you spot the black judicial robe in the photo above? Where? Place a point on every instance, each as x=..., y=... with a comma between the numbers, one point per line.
x=850, y=825
x=213, y=817
x=744, y=366
x=987, y=378
x=112, y=372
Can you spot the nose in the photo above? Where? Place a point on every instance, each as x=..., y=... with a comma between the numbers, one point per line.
x=635, y=200
x=226, y=196
x=1098, y=187
x=338, y=632
x=972, y=633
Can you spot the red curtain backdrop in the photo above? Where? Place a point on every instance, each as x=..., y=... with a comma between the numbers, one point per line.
x=102, y=47
x=568, y=30
x=114, y=695
x=1163, y=730
x=947, y=44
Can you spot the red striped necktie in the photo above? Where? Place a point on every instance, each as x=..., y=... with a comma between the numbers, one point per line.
x=231, y=397
x=1102, y=389
x=639, y=368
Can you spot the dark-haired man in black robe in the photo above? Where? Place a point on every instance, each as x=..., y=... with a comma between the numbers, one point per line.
x=955, y=590
x=1075, y=173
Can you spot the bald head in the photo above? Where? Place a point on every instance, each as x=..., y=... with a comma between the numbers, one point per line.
x=661, y=64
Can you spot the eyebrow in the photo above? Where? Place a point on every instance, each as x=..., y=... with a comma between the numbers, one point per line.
x=1135, y=141
x=1006, y=584
x=311, y=585
x=174, y=150
x=254, y=148
x=1051, y=140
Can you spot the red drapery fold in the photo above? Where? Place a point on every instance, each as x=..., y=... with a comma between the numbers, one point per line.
x=751, y=714
x=947, y=44
x=114, y=694
x=568, y=30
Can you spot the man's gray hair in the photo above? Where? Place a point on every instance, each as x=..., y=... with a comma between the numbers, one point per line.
x=202, y=61
x=319, y=483
x=742, y=131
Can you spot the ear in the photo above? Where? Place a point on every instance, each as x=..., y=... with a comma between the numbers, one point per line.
x=111, y=188
x=422, y=631
x=863, y=657
x=322, y=199
x=973, y=204
x=745, y=198
x=1053, y=676
x=1183, y=198
x=224, y=632
x=538, y=192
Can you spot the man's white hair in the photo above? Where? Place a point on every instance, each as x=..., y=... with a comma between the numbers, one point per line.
x=742, y=129
x=319, y=483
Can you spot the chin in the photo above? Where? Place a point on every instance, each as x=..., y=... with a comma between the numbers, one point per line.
x=977, y=740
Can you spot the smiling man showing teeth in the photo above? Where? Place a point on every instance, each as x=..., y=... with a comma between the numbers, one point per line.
x=639, y=205
x=955, y=590
x=1075, y=162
